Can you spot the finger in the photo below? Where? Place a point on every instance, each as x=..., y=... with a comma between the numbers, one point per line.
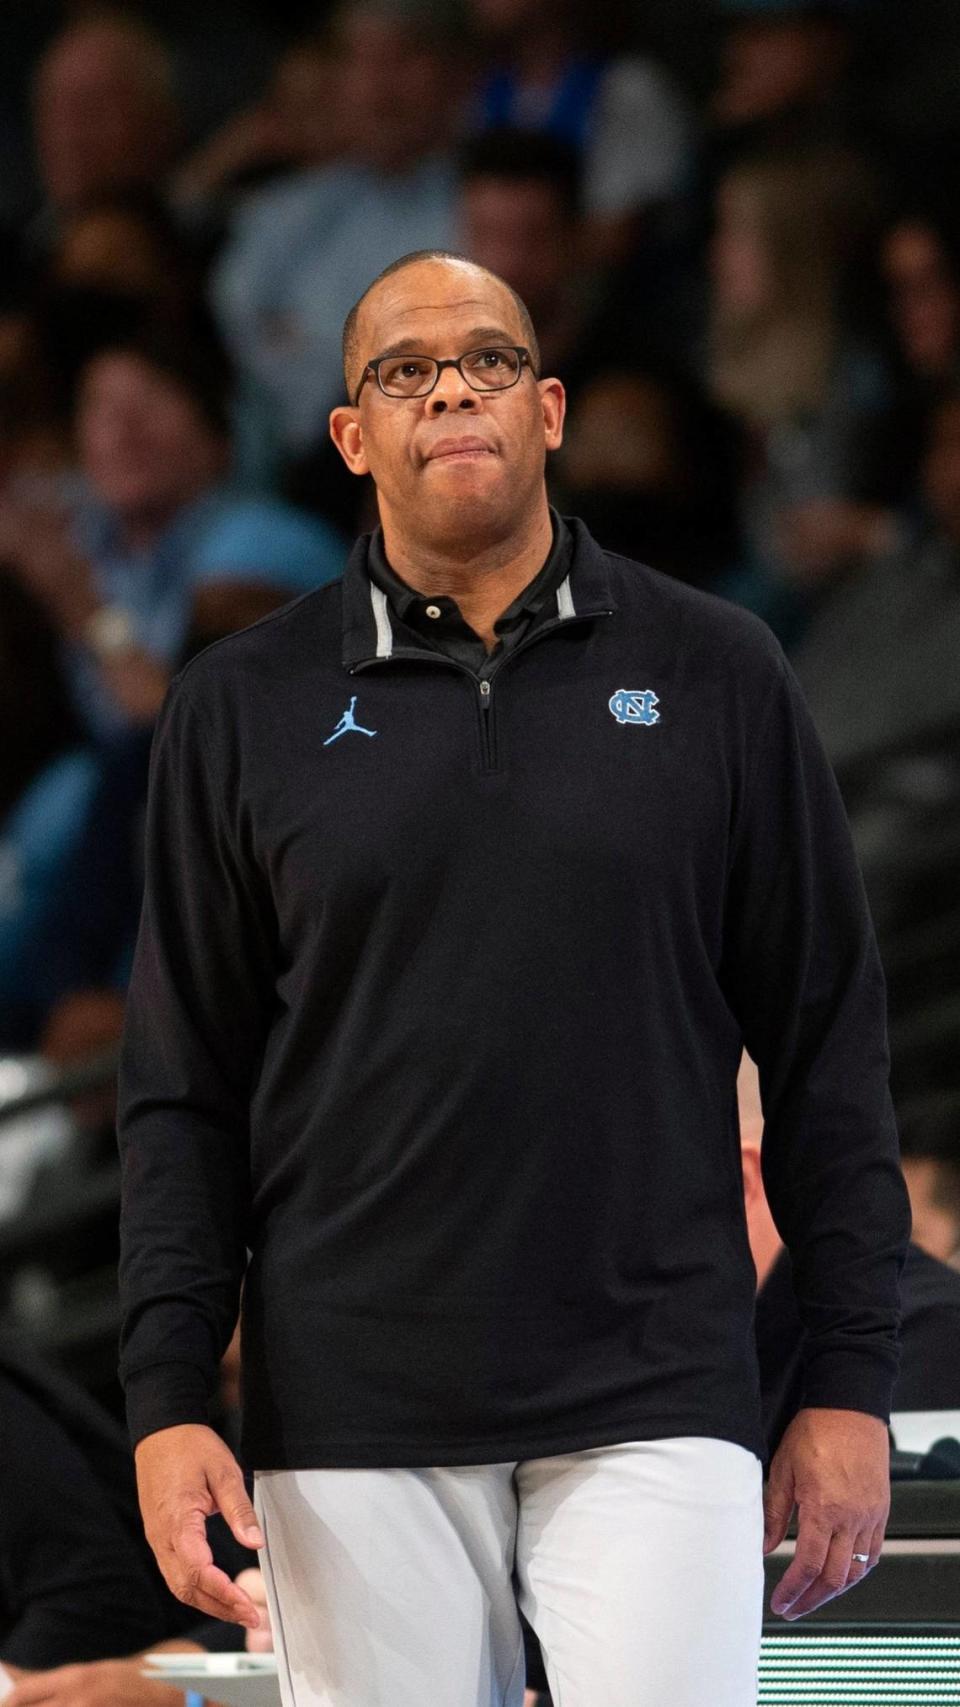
x=862, y=1559
x=831, y=1580
x=227, y=1487
x=193, y=1572
x=41, y=1686
x=777, y=1507
x=212, y=1591
x=809, y=1557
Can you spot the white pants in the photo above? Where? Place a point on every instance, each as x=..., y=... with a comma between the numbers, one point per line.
x=639, y=1566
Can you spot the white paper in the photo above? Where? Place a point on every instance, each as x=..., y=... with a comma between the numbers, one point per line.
x=238, y=1680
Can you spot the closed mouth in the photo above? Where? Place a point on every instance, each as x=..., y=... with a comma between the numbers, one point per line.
x=446, y=448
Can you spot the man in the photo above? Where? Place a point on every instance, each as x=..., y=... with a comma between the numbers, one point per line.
x=154, y=437
x=554, y=68
x=929, y=1376
x=105, y=111
x=78, y=1587
x=409, y=1004
x=784, y=75
x=878, y=660
x=300, y=251
x=520, y=216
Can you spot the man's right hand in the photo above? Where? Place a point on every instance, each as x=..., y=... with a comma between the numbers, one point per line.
x=185, y=1475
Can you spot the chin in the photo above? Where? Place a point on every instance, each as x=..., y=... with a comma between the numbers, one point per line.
x=451, y=519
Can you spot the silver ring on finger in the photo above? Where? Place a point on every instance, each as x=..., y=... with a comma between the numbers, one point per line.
x=861, y=1558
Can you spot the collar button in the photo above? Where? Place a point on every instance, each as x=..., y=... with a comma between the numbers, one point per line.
x=433, y=610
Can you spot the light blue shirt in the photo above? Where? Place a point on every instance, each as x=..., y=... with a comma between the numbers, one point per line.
x=300, y=255
x=219, y=535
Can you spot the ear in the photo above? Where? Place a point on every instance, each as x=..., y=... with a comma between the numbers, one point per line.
x=347, y=434
x=553, y=402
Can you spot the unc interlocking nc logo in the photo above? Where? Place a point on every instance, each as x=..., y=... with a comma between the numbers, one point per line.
x=634, y=705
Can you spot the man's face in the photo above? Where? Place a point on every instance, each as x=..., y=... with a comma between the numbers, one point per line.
x=143, y=442
x=457, y=465
x=96, y=124
x=770, y=65
x=521, y=230
x=396, y=90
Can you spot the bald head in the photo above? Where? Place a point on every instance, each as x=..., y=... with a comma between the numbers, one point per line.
x=434, y=267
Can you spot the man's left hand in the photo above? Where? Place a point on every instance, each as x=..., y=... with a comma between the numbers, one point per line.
x=834, y=1466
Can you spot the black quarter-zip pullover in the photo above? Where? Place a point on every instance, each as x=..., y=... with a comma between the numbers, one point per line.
x=437, y=1008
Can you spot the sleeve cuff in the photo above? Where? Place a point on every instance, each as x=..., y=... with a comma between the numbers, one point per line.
x=842, y=1379
x=165, y=1396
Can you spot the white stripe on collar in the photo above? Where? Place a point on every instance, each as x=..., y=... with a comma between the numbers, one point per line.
x=381, y=617
x=565, y=604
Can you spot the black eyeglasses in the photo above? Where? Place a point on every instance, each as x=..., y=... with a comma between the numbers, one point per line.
x=495, y=368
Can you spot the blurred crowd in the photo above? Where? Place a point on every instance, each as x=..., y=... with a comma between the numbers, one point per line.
x=735, y=224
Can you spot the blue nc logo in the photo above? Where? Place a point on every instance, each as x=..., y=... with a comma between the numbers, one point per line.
x=347, y=723
x=634, y=705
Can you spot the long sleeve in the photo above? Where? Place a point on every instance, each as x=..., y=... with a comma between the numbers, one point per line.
x=194, y=1033
x=803, y=975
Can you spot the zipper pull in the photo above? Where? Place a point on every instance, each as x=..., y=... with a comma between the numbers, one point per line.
x=485, y=692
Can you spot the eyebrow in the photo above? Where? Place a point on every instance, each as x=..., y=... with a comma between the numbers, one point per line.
x=473, y=340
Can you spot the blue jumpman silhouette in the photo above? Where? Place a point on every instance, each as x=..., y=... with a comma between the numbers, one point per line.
x=348, y=722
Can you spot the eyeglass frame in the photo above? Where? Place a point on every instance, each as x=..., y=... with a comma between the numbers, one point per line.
x=373, y=367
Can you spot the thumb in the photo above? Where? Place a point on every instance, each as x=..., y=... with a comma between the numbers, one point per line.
x=777, y=1503
x=233, y=1502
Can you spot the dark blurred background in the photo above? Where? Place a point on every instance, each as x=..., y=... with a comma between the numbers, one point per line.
x=735, y=223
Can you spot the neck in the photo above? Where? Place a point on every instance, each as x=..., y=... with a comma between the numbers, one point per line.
x=484, y=577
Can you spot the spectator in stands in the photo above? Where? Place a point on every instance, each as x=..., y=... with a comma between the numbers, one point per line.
x=119, y=265
x=878, y=661
x=920, y=266
x=784, y=229
x=70, y=858
x=154, y=444
x=78, y=1585
x=929, y=1377
x=299, y=124
x=903, y=351
x=74, y=1582
x=520, y=215
x=125, y=244
x=930, y=1142
x=105, y=113
x=301, y=252
x=652, y=466
x=783, y=76
x=551, y=69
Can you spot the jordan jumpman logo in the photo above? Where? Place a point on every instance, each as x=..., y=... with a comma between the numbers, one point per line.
x=348, y=722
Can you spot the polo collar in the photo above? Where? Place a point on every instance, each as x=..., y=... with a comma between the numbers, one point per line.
x=369, y=632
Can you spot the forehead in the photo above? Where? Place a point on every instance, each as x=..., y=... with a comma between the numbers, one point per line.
x=433, y=304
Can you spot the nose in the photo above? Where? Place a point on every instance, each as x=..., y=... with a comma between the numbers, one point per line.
x=450, y=392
